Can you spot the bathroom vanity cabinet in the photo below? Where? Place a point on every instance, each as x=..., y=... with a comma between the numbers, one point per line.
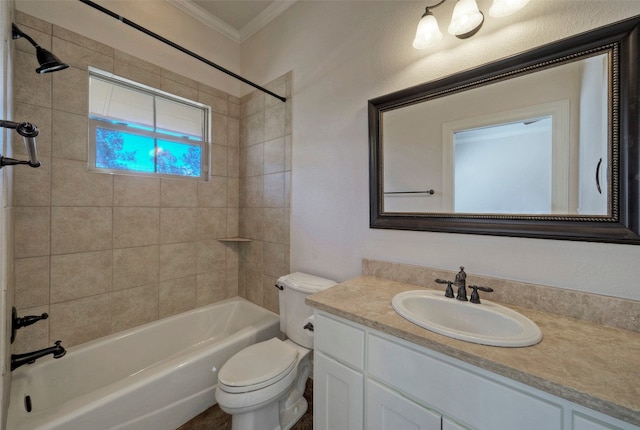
x=366, y=379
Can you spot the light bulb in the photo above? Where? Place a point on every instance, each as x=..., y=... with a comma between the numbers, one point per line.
x=428, y=32
x=466, y=19
x=501, y=8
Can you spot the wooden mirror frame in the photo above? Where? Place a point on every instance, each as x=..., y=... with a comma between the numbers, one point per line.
x=622, y=225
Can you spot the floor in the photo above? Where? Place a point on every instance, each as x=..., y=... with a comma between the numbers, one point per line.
x=215, y=419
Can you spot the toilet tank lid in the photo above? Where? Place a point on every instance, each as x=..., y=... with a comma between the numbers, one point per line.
x=304, y=282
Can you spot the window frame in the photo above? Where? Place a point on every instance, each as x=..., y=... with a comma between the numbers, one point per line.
x=93, y=123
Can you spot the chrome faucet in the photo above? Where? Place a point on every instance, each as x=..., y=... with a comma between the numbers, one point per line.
x=18, y=360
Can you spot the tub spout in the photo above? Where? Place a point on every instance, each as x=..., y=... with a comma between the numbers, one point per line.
x=18, y=360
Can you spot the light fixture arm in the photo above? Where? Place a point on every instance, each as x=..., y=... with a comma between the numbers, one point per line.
x=28, y=132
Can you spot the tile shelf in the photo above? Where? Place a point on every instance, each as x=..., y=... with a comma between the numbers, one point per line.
x=234, y=239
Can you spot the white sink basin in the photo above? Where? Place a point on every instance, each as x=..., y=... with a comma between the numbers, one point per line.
x=486, y=323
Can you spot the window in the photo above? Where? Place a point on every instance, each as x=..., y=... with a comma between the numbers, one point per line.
x=136, y=129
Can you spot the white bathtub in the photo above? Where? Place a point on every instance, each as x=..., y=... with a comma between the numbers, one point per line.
x=156, y=376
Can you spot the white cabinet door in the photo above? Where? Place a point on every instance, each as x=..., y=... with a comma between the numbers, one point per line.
x=338, y=395
x=447, y=424
x=388, y=410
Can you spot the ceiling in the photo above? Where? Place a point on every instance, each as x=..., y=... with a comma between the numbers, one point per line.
x=236, y=19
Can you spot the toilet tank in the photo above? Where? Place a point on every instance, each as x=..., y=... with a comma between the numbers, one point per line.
x=294, y=313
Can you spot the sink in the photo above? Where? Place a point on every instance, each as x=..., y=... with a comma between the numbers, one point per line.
x=487, y=323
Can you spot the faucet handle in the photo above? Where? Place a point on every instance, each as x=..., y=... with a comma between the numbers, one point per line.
x=475, y=297
x=449, y=291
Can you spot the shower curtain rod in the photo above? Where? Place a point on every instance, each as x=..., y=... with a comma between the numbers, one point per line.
x=179, y=48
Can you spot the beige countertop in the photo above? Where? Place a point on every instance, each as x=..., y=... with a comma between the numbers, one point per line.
x=590, y=364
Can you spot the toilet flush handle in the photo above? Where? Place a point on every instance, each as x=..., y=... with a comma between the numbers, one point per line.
x=308, y=326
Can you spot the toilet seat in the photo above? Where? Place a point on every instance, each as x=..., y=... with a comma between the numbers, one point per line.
x=258, y=366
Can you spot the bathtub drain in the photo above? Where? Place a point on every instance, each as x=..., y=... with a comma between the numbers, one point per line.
x=27, y=403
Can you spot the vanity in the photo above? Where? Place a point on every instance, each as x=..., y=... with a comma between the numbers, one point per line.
x=375, y=370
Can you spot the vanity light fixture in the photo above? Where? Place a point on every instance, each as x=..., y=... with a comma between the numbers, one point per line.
x=465, y=21
x=48, y=61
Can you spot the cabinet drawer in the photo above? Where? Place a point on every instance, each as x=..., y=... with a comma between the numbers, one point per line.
x=443, y=384
x=340, y=341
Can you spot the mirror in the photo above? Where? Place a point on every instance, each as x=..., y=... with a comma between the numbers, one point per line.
x=542, y=144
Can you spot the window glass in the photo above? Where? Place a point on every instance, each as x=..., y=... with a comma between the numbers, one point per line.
x=136, y=129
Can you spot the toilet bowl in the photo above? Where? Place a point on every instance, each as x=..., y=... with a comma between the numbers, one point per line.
x=262, y=386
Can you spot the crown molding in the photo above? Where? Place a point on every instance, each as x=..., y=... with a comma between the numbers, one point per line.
x=238, y=36
x=207, y=18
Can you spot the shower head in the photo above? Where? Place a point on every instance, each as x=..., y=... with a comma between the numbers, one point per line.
x=48, y=62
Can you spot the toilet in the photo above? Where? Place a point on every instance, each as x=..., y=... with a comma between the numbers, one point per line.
x=262, y=386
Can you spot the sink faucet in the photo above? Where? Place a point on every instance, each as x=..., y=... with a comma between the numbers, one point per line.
x=18, y=360
x=461, y=283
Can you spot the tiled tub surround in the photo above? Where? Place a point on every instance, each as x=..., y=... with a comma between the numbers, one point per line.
x=103, y=253
x=587, y=363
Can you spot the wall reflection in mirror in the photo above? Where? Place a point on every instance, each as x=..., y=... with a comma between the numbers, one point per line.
x=542, y=144
x=535, y=144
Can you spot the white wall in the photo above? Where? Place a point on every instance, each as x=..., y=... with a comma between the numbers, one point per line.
x=344, y=53
x=157, y=16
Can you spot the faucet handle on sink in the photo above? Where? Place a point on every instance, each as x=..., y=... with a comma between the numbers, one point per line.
x=475, y=297
x=449, y=291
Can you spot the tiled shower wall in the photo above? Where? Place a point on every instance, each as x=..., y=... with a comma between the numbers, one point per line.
x=265, y=177
x=102, y=253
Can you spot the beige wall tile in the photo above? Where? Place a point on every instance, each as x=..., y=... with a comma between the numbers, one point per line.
x=275, y=259
x=234, y=109
x=68, y=96
x=134, y=226
x=211, y=256
x=211, y=288
x=177, y=225
x=276, y=225
x=32, y=231
x=253, y=287
x=270, y=293
x=72, y=185
x=32, y=187
x=251, y=256
x=212, y=223
x=233, y=162
x=177, y=260
x=233, y=222
x=253, y=162
x=177, y=295
x=233, y=193
x=251, y=192
x=79, y=56
x=31, y=282
x=274, y=118
x=251, y=225
x=136, y=73
x=218, y=160
x=133, y=307
x=31, y=88
x=213, y=193
x=80, y=275
x=274, y=156
x=80, y=320
x=274, y=190
x=136, y=191
x=233, y=132
x=85, y=42
x=69, y=136
x=76, y=229
x=252, y=129
x=133, y=267
x=178, y=88
x=178, y=193
x=219, y=129
x=251, y=104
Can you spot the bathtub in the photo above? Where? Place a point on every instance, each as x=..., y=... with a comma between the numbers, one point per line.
x=156, y=376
